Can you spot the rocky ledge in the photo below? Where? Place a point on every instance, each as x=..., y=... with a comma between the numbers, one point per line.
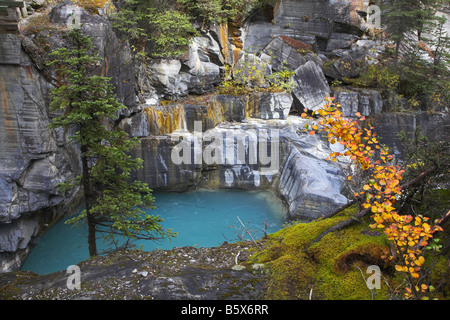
x=186, y=273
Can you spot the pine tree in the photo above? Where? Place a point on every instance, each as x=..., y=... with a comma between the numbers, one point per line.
x=112, y=203
x=402, y=18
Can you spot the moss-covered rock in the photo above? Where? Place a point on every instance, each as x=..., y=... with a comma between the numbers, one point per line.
x=333, y=268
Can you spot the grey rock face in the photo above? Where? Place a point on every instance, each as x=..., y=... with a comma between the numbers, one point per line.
x=435, y=126
x=33, y=160
x=311, y=88
x=28, y=148
x=289, y=52
x=9, y=49
x=365, y=101
x=310, y=186
x=296, y=168
x=116, y=55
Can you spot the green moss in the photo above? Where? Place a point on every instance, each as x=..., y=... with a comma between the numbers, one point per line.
x=333, y=268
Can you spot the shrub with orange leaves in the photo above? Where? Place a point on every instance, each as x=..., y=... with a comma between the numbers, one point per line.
x=408, y=234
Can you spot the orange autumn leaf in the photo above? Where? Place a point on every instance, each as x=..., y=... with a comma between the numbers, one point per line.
x=407, y=234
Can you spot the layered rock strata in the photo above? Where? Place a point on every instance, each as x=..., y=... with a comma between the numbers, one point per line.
x=220, y=145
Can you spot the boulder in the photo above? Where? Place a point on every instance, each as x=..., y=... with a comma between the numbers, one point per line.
x=310, y=186
x=341, y=41
x=289, y=52
x=311, y=87
x=202, y=66
x=342, y=68
x=198, y=72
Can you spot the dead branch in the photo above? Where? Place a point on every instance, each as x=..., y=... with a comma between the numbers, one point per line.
x=342, y=224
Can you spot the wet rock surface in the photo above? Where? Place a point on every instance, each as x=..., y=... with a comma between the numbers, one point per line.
x=181, y=273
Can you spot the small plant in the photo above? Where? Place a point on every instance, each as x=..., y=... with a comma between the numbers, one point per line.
x=377, y=77
x=282, y=80
x=37, y=22
x=336, y=83
x=250, y=75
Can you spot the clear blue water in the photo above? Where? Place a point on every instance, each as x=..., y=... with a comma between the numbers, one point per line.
x=201, y=218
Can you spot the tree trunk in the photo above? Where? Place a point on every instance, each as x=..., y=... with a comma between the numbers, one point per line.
x=397, y=52
x=87, y=200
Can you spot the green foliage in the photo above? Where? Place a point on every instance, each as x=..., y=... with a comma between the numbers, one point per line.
x=423, y=72
x=281, y=80
x=172, y=30
x=158, y=30
x=377, y=76
x=221, y=11
x=162, y=29
x=253, y=75
x=113, y=204
x=209, y=10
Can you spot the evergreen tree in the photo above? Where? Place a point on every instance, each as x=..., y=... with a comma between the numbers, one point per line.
x=421, y=50
x=112, y=203
x=402, y=18
x=155, y=28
